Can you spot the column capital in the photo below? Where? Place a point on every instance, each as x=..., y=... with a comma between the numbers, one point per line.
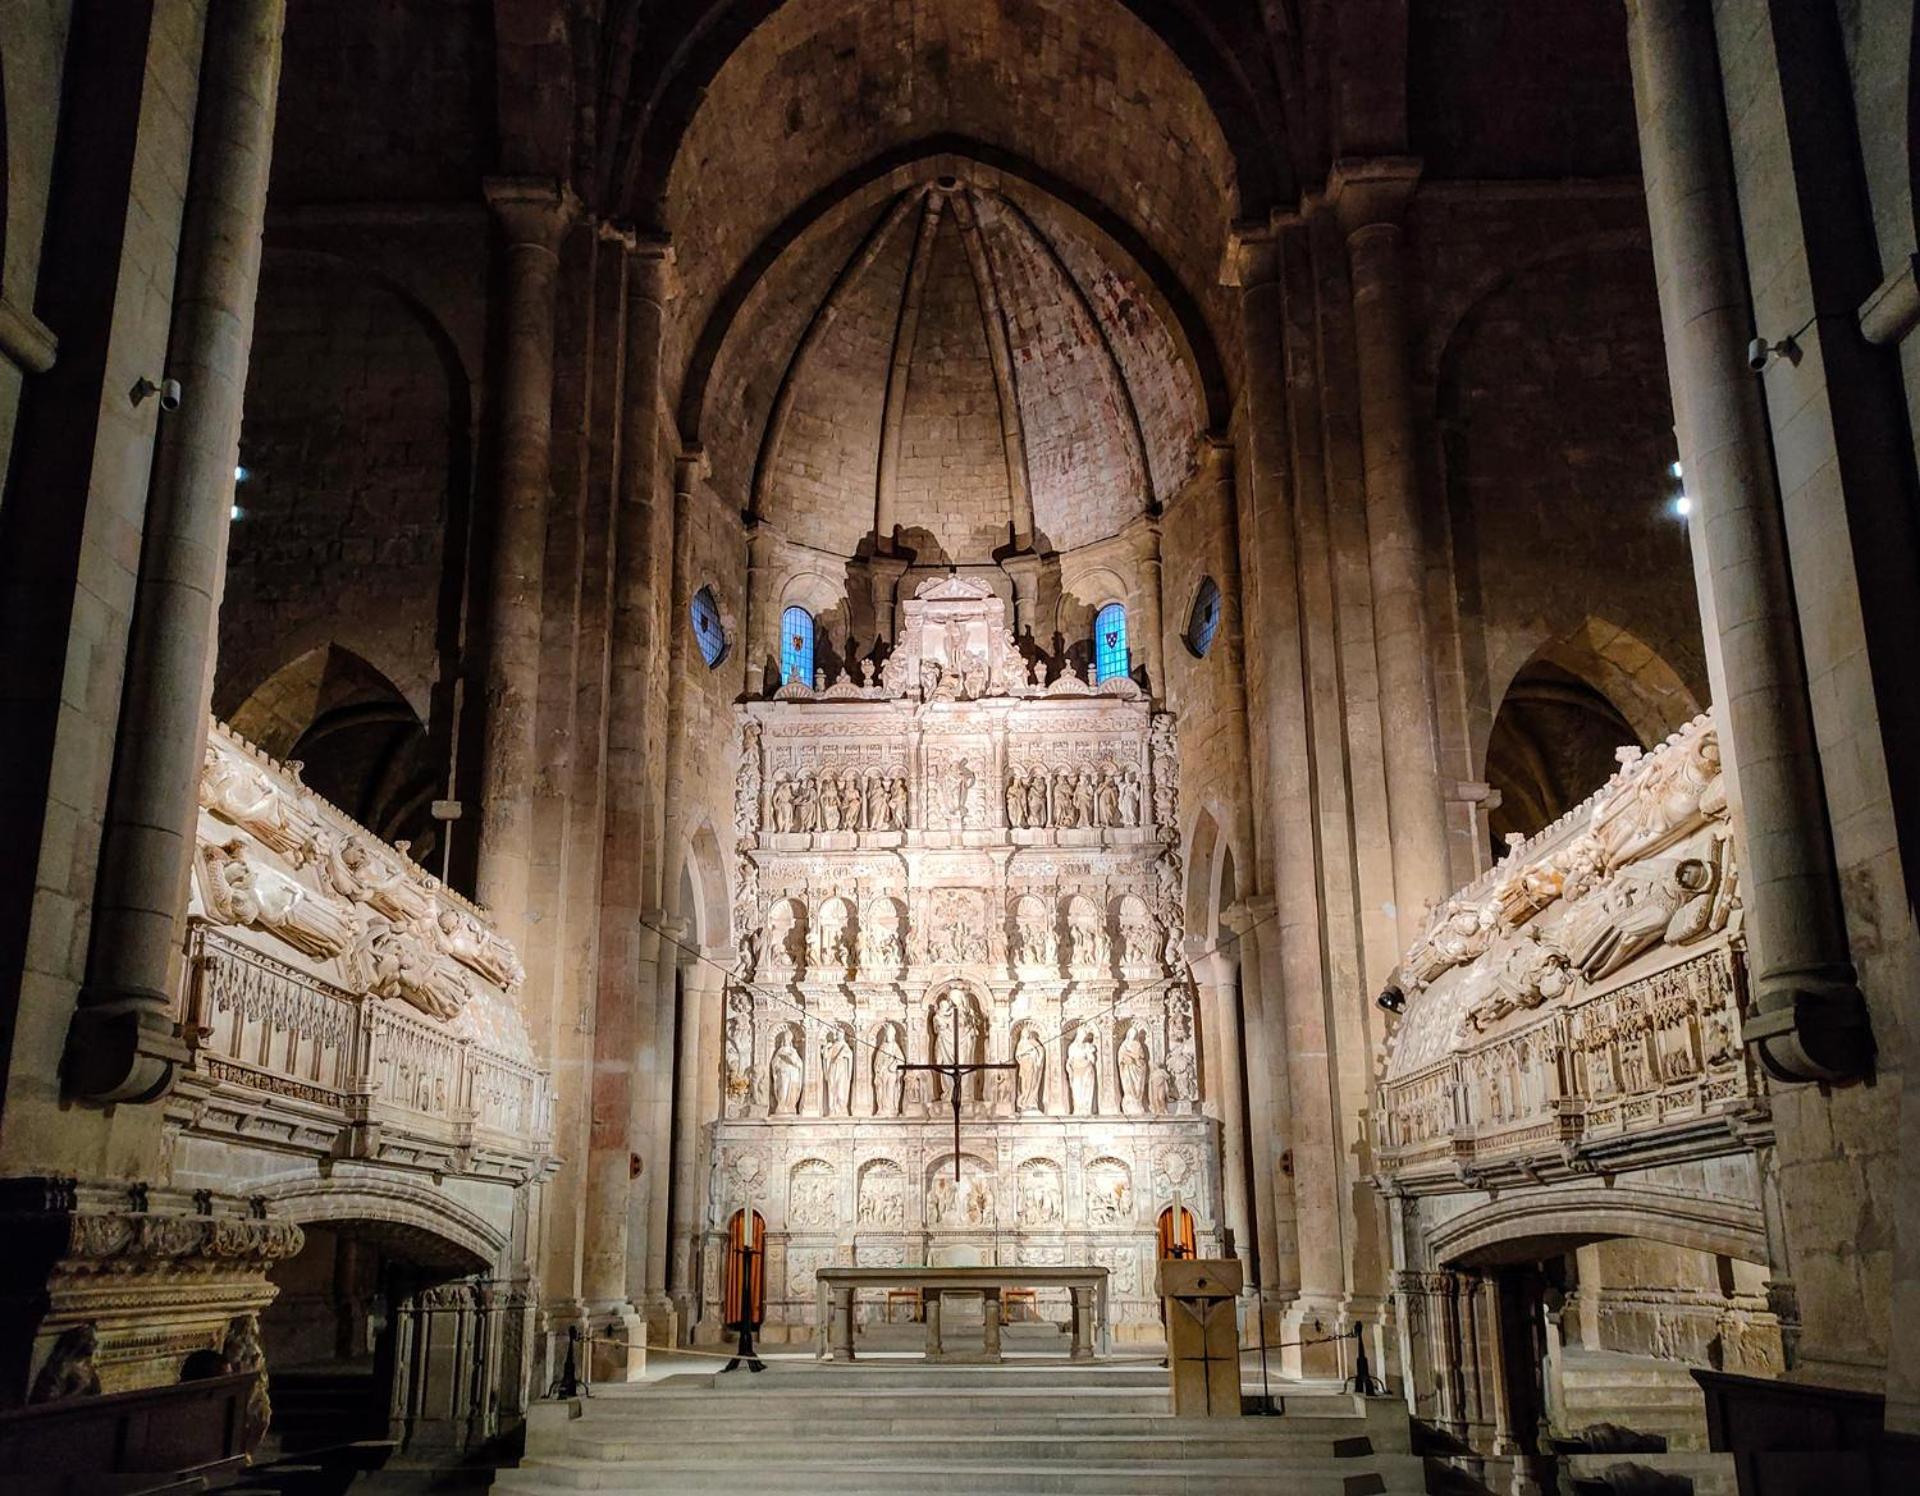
x=1252, y=254
x=690, y=466
x=1142, y=532
x=654, y=266
x=1213, y=457
x=534, y=211
x=1372, y=191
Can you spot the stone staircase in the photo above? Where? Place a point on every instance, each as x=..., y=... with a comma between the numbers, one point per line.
x=873, y=1428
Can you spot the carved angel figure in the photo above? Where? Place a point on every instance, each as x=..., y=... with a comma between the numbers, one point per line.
x=479, y=949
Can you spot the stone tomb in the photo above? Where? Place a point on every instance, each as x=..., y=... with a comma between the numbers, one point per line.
x=958, y=840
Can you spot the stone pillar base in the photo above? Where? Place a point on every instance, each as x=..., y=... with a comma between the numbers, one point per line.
x=619, y=1345
x=663, y=1321
x=1311, y=1349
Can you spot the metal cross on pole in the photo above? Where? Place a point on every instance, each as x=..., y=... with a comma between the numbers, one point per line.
x=954, y=1073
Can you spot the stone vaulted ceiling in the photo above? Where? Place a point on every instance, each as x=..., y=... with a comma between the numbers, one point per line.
x=959, y=366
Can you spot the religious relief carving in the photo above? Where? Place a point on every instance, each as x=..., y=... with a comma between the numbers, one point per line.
x=1088, y=948
x=958, y=934
x=967, y=1201
x=883, y=1203
x=1165, y=739
x=1109, y=1187
x=812, y=1195
x=882, y=939
x=1030, y=1079
x=786, y=1075
x=1072, y=797
x=738, y=1081
x=955, y=1028
x=1036, y=943
x=1083, y=1072
x=833, y=936
x=836, y=1064
x=1139, y=934
x=1182, y=1066
x=1133, y=1063
x=889, y=1080
x=1039, y=1203
x=746, y=785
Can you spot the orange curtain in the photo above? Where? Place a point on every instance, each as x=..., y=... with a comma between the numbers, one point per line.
x=1168, y=1240
x=730, y=1279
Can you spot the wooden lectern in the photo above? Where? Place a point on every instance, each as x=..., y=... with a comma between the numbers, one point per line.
x=1203, y=1335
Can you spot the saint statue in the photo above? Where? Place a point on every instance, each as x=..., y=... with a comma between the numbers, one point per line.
x=839, y=1075
x=1083, y=1072
x=1016, y=803
x=897, y=805
x=1133, y=1065
x=889, y=1080
x=876, y=803
x=850, y=803
x=1037, y=800
x=787, y=1071
x=1031, y=1056
x=783, y=804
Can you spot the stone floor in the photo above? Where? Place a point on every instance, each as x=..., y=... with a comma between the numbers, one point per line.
x=893, y=1425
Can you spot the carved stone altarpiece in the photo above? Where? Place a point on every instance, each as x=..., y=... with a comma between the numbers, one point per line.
x=955, y=841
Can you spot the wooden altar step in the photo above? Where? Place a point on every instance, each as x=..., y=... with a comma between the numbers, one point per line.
x=865, y=1430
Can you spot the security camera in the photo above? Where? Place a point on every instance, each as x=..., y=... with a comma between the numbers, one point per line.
x=169, y=394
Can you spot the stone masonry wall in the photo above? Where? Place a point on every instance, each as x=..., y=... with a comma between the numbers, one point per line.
x=349, y=445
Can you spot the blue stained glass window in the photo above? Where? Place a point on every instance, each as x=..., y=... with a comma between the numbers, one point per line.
x=707, y=629
x=1204, y=622
x=1110, y=642
x=796, y=646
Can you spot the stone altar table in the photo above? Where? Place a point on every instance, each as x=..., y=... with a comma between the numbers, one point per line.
x=839, y=1289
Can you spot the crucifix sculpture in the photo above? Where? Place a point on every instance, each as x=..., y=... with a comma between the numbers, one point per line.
x=954, y=1073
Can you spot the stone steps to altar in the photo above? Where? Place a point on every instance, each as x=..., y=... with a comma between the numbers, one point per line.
x=864, y=1430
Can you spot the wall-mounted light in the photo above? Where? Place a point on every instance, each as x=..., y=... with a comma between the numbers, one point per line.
x=236, y=512
x=1682, y=506
x=1674, y=468
x=241, y=474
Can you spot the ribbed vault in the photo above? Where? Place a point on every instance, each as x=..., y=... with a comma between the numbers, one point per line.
x=969, y=372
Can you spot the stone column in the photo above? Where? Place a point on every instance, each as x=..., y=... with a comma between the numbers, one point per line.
x=761, y=636
x=1152, y=647
x=702, y=993
x=1810, y=1021
x=534, y=215
x=122, y=1046
x=1227, y=1083
x=1370, y=199
x=651, y=1133
x=1291, y=969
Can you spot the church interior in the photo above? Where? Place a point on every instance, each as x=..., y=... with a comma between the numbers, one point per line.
x=1166, y=742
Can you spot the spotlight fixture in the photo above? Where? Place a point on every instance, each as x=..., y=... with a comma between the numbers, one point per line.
x=1674, y=468
x=1391, y=998
x=1683, y=506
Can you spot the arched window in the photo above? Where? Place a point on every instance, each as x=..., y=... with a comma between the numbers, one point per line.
x=1110, y=642
x=796, y=647
x=707, y=630
x=1204, y=622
